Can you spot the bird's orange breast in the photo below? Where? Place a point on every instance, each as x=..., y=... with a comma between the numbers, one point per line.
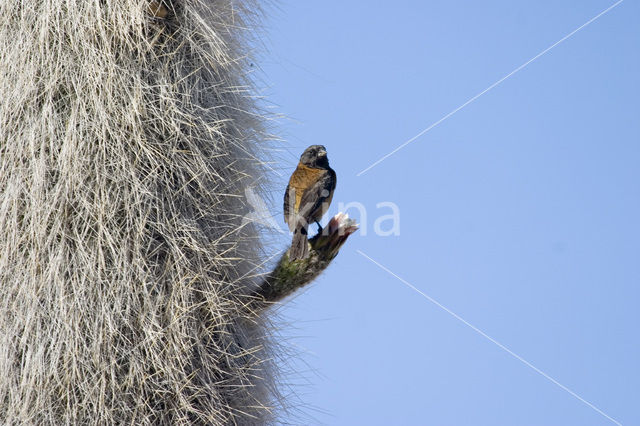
x=302, y=179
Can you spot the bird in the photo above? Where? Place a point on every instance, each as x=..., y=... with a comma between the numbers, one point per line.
x=308, y=196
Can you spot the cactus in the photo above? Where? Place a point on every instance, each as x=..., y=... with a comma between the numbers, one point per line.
x=128, y=134
x=289, y=275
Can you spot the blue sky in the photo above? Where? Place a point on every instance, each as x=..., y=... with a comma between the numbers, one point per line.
x=518, y=213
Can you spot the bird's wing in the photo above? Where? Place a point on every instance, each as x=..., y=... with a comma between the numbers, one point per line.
x=318, y=193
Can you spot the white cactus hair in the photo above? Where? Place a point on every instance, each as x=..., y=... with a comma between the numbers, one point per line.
x=126, y=143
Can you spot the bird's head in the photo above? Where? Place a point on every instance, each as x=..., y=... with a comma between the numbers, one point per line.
x=315, y=156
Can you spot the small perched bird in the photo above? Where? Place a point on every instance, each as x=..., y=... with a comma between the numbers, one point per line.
x=308, y=196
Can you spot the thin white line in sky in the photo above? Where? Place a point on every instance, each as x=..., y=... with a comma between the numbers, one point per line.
x=489, y=88
x=500, y=345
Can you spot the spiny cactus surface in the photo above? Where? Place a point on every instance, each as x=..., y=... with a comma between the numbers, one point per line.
x=128, y=135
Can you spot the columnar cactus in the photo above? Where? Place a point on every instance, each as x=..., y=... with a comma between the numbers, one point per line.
x=128, y=135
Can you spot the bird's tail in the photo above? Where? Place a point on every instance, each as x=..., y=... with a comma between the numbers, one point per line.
x=299, y=246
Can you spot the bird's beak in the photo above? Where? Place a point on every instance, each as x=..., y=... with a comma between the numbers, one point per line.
x=322, y=153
